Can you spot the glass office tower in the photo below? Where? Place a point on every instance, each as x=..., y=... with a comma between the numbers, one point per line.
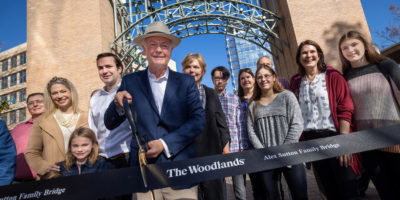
x=242, y=54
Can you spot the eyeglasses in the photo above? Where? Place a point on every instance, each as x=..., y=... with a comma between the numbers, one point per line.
x=35, y=101
x=219, y=78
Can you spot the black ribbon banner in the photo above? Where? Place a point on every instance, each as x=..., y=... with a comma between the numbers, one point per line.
x=128, y=180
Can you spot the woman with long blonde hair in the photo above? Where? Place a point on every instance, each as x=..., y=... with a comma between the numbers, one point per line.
x=50, y=133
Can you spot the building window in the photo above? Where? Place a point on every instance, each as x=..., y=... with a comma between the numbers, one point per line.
x=4, y=82
x=13, y=80
x=22, y=114
x=4, y=65
x=22, y=76
x=13, y=117
x=13, y=61
x=22, y=95
x=22, y=58
x=3, y=117
x=13, y=98
x=4, y=98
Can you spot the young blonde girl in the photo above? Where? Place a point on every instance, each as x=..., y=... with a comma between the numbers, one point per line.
x=82, y=156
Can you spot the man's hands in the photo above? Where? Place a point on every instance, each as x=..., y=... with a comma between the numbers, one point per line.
x=120, y=96
x=154, y=148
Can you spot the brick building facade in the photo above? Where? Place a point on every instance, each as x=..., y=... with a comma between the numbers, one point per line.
x=13, y=84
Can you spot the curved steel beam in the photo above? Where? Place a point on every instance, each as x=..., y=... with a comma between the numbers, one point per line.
x=240, y=19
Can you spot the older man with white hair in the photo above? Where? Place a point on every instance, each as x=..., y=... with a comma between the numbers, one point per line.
x=169, y=112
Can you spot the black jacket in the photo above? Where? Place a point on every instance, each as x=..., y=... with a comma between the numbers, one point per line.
x=216, y=133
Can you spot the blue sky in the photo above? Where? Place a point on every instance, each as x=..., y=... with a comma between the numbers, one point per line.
x=13, y=23
x=13, y=33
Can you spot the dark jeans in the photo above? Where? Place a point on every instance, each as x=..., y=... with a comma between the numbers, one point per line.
x=210, y=190
x=384, y=170
x=256, y=184
x=257, y=187
x=239, y=186
x=363, y=182
x=338, y=182
x=295, y=178
x=117, y=163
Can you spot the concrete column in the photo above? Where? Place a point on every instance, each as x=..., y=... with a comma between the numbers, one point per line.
x=63, y=39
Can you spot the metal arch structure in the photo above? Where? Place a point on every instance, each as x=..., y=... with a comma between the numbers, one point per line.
x=244, y=19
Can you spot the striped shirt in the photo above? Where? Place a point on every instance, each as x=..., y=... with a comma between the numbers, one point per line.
x=374, y=104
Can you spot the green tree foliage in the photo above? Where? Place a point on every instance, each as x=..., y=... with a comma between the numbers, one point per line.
x=4, y=106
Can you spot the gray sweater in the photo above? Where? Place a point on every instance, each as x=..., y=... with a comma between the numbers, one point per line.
x=278, y=123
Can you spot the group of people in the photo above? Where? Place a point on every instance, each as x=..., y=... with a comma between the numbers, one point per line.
x=179, y=118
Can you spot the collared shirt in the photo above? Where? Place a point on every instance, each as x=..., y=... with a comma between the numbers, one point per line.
x=235, y=120
x=158, y=87
x=112, y=142
x=314, y=104
x=202, y=92
x=20, y=135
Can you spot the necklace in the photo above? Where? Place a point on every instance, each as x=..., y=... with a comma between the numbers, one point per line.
x=70, y=121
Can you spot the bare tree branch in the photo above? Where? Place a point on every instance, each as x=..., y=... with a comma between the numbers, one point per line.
x=391, y=33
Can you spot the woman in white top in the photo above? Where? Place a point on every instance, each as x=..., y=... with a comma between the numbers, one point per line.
x=50, y=132
x=327, y=109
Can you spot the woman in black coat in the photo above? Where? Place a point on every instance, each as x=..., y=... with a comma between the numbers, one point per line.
x=215, y=138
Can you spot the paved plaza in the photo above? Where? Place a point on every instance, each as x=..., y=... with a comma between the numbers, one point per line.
x=313, y=193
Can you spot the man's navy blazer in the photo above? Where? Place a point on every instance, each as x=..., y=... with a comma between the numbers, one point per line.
x=182, y=117
x=8, y=155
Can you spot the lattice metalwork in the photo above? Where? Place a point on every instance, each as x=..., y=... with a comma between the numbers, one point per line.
x=242, y=19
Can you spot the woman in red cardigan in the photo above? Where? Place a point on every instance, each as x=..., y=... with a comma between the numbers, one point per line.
x=327, y=109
